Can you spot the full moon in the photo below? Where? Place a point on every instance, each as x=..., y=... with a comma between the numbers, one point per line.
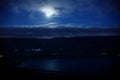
x=49, y=11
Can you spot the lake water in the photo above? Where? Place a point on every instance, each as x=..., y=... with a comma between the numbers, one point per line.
x=81, y=65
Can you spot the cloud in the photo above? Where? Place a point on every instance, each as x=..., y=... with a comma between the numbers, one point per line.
x=49, y=25
x=65, y=6
x=84, y=7
x=100, y=10
x=49, y=11
x=35, y=5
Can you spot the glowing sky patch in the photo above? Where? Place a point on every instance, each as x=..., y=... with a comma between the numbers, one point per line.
x=49, y=11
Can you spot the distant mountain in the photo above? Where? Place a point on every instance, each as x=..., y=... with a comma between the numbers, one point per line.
x=41, y=32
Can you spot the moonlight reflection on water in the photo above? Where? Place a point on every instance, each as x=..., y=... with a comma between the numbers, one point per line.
x=82, y=65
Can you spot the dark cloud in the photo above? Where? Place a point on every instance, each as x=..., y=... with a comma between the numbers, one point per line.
x=64, y=5
x=56, y=32
x=101, y=10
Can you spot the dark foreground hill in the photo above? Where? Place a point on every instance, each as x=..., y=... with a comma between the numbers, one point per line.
x=60, y=58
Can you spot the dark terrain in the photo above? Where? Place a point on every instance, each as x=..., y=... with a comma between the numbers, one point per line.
x=96, y=57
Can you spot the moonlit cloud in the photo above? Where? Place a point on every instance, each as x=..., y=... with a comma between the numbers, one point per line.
x=81, y=12
x=66, y=6
x=49, y=11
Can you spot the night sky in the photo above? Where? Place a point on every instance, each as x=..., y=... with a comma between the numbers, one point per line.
x=75, y=13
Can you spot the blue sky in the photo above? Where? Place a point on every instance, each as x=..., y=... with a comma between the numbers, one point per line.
x=77, y=13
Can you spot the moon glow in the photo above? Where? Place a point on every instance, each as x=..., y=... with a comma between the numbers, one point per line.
x=49, y=11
